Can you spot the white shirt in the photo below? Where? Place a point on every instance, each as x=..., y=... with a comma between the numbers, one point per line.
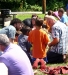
x=3, y=69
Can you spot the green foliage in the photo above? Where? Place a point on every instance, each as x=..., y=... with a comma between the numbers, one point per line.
x=32, y=5
x=29, y=7
x=36, y=8
x=32, y=2
x=9, y=5
x=10, y=0
x=54, y=5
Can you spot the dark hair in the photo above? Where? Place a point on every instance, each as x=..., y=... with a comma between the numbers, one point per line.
x=61, y=10
x=34, y=18
x=44, y=26
x=39, y=22
x=34, y=15
x=25, y=29
x=50, y=12
x=15, y=21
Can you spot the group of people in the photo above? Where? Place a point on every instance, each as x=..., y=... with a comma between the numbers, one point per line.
x=39, y=41
x=13, y=60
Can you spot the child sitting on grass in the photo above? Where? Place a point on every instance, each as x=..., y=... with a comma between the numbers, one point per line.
x=23, y=42
x=39, y=40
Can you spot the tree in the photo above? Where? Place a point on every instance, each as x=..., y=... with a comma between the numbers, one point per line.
x=43, y=6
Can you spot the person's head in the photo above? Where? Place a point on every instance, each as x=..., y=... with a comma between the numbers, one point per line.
x=60, y=12
x=39, y=22
x=45, y=17
x=4, y=42
x=17, y=23
x=50, y=21
x=33, y=20
x=25, y=30
x=50, y=12
x=34, y=15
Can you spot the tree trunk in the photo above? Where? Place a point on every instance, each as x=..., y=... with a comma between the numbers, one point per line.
x=43, y=6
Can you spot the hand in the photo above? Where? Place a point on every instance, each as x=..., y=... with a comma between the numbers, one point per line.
x=64, y=56
x=49, y=44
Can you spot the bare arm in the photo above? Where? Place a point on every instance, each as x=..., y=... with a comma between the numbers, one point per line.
x=54, y=42
x=66, y=24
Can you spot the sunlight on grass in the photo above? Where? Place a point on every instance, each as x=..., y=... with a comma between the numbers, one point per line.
x=24, y=16
x=57, y=64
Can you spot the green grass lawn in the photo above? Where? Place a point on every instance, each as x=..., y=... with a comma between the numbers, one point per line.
x=24, y=16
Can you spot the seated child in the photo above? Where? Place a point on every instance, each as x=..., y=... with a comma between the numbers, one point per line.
x=23, y=42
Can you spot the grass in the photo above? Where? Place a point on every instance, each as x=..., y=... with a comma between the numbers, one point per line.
x=24, y=16
x=51, y=65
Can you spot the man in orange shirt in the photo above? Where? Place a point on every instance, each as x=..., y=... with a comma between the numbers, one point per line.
x=39, y=39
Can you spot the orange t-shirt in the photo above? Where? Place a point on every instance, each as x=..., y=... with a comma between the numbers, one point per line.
x=39, y=40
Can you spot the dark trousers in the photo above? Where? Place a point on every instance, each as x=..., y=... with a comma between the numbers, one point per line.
x=54, y=57
x=29, y=56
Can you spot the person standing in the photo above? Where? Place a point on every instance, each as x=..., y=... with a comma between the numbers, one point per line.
x=39, y=40
x=23, y=41
x=14, y=60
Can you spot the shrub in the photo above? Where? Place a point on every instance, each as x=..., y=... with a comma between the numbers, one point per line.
x=36, y=8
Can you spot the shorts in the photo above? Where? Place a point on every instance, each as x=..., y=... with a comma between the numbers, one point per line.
x=45, y=59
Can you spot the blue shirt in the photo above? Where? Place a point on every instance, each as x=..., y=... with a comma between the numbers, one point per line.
x=10, y=31
x=23, y=42
x=64, y=18
x=67, y=19
x=60, y=31
x=16, y=61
